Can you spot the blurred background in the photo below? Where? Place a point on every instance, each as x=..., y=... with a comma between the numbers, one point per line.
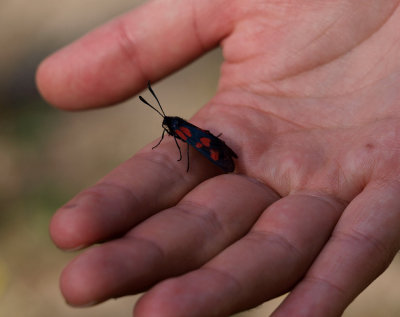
x=47, y=156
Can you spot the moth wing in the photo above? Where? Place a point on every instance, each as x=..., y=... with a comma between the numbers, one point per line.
x=210, y=146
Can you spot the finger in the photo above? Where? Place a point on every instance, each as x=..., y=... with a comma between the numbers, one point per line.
x=147, y=183
x=171, y=242
x=360, y=249
x=265, y=263
x=115, y=61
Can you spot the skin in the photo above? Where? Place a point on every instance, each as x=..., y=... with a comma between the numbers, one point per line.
x=309, y=100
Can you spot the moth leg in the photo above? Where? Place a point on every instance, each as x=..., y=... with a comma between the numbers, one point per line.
x=159, y=142
x=187, y=155
x=179, y=148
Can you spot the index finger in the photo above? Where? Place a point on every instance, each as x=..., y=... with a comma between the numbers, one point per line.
x=145, y=184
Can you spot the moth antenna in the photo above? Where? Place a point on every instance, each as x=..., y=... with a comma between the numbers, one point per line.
x=152, y=92
x=144, y=101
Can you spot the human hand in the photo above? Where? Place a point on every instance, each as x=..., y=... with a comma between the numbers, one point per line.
x=308, y=99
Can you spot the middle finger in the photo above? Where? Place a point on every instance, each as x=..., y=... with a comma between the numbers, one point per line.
x=171, y=242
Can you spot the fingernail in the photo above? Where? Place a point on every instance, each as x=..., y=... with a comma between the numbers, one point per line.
x=75, y=248
x=89, y=304
x=69, y=206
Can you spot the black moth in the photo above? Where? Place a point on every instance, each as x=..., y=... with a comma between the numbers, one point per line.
x=210, y=146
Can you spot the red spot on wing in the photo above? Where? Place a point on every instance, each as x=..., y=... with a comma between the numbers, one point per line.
x=181, y=135
x=205, y=141
x=214, y=155
x=199, y=145
x=186, y=131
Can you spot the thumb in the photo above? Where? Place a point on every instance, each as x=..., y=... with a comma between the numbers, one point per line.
x=115, y=61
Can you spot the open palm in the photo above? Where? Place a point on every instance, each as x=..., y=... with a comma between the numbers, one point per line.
x=308, y=99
